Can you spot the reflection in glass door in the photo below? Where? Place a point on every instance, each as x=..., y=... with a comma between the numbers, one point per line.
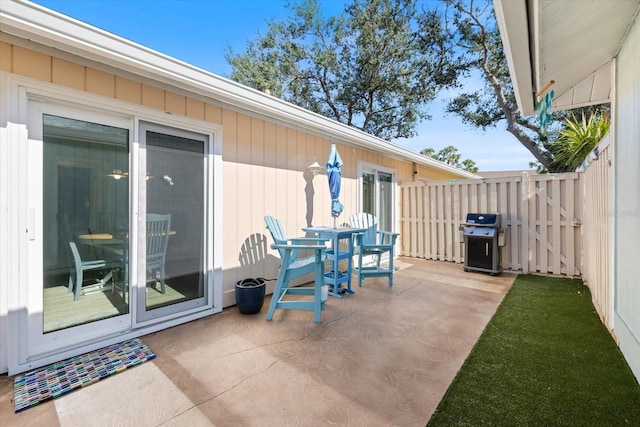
x=385, y=208
x=173, y=260
x=85, y=214
x=377, y=197
x=368, y=193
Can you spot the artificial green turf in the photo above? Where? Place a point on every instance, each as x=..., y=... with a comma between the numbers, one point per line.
x=544, y=359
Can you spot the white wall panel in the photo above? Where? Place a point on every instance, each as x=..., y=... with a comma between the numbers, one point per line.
x=627, y=199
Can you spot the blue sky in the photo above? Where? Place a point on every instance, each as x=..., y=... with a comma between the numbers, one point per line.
x=200, y=31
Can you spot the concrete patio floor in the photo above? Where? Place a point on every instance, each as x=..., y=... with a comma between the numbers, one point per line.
x=383, y=356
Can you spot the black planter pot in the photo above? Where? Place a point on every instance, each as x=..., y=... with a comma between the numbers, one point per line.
x=250, y=295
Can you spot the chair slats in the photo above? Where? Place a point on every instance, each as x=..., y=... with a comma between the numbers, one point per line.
x=373, y=243
x=293, y=267
x=82, y=266
x=158, y=230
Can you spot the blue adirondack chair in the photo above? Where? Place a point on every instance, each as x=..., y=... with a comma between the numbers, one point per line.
x=375, y=243
x=293, y=267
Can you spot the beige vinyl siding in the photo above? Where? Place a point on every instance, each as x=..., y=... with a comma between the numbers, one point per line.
x=5, y=57
x=68, y=74
x=152, y=97
x=175, y=104
x=100, y=83
x=30, y=64
x=430, y=174
x=264, y=163
x=128, y=91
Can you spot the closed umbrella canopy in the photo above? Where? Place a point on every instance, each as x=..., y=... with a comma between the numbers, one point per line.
x=334, y=174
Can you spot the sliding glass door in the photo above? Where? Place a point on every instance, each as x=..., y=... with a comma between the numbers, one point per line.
x=171, y=249
x=78, y=193
x=117, y=229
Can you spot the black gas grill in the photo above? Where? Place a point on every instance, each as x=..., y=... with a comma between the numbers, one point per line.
x=482, y=233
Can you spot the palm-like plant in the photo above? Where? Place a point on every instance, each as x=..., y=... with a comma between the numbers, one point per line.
x=577, y=140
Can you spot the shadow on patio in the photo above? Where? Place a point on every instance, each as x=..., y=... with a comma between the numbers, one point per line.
x=383, y=356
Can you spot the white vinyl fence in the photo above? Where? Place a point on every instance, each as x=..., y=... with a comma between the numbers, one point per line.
x=598, y=228
x=540, y=216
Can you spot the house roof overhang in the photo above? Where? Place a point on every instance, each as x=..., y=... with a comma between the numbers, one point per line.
x=38, y=24
x=572, y=43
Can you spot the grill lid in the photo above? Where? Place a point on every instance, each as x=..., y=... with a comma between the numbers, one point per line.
x=483, y=220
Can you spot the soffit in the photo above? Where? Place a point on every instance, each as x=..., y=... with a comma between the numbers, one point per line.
x=570, y=42
x=576, y=41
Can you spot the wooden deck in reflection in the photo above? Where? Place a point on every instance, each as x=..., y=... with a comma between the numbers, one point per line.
x=61, y=311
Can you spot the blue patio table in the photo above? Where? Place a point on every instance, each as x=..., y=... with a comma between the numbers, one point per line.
x=335, y=278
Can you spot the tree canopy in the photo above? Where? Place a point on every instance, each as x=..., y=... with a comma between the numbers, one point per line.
x=450, y=156
x=376, y=67
x=379, y=64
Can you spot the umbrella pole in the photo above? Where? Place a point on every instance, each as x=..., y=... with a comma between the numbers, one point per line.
x=334, y=222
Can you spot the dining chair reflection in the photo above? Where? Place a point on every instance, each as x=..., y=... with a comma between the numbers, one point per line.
x=81, y=266
x=78, y=266
x=158, y=230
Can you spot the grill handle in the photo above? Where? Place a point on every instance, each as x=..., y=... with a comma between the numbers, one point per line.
x=503, y=237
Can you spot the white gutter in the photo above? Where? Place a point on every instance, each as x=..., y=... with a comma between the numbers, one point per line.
x=39, y=24
x=514, y=32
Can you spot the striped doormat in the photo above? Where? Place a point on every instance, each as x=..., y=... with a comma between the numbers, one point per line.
x=63, y=377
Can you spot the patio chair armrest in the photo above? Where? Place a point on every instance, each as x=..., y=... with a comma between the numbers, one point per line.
x=388, y=233
x=388, y=236
x=357, y=237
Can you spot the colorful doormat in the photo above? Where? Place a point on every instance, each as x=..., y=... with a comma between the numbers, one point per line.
x=71, y=374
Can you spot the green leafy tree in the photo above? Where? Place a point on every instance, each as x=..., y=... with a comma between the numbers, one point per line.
x=478, y=38
x=429, y=152
x=577, y=140
x=469, y=165
x=450, y=156
x=375, y=67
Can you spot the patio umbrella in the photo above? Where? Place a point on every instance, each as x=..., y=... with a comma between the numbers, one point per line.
x=334, y=174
